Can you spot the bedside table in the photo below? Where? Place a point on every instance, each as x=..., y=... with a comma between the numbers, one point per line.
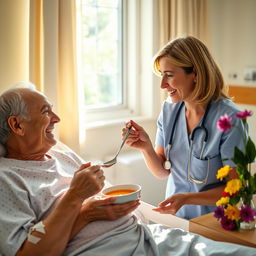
x=208, y=226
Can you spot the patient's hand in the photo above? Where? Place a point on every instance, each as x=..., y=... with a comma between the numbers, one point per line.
x=87, y=181
x=99, y=208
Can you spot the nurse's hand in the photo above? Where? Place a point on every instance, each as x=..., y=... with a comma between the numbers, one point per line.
x=172, y=204
x=138, y=138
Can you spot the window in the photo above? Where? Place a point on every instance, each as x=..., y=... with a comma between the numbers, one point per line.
x=115, y=48
x=101, y=57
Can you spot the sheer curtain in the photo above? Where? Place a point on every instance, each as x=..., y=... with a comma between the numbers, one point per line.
x=181, y=18
x=53, y=61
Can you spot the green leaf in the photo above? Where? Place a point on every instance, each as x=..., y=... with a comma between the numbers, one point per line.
x=250, y=150
x=252, y=183
x=239, y=157
x=234, y=200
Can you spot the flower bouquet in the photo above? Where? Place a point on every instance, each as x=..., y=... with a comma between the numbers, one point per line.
x=240, y=190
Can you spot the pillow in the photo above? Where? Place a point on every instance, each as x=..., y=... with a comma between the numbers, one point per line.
x=2, y=150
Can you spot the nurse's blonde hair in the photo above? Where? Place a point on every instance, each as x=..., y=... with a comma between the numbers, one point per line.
x=192, y=55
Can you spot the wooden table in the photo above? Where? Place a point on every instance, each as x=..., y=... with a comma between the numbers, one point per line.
x=208, y=226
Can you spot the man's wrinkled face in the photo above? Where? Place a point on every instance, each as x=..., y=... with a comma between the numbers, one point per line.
x=39, y=128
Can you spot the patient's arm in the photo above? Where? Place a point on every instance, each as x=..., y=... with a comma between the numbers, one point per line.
x=98, y=208
x=58, y=226
x=86, y=182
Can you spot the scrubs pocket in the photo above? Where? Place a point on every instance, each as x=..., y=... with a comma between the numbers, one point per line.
x=200, y=168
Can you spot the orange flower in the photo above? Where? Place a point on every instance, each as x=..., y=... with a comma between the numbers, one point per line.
x=232, y=212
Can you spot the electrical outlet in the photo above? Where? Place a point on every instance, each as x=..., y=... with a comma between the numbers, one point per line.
x=232, y=75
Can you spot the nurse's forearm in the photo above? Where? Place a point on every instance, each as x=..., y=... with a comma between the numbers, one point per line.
x=155, y=163
x=209, y=197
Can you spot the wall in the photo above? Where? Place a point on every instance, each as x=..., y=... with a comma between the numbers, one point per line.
x=233, y=43
x=14, y=18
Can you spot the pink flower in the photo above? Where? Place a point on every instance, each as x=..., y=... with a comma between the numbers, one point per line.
x=224, y=123
x=219, y=212
x=243, y=114
x=247, y=213
x=227, y=223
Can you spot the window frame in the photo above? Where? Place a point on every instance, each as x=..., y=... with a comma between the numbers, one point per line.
x=135, y=105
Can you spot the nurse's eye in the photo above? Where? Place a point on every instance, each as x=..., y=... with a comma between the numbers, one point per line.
x=168, y=75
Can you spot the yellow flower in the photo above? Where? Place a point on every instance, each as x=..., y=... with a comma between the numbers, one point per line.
x=233, y=186
x=223, y=201
x=232, y=212
x=223, y=172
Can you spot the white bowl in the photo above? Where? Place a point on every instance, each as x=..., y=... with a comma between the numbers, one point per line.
x=124, y=198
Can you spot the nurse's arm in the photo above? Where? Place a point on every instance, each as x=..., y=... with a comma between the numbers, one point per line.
x=154, y=159
x=208, y=197
x=173, y=203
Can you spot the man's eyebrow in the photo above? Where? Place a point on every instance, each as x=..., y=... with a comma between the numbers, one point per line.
x=46, y=106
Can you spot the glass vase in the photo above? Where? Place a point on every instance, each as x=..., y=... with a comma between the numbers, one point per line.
x=251, y=224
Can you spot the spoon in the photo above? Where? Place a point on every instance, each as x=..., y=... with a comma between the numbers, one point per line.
x=113, y=161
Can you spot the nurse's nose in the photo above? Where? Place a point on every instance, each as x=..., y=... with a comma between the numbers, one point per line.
x=164, y=83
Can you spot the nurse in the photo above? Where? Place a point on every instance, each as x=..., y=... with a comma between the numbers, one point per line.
x=189, y=148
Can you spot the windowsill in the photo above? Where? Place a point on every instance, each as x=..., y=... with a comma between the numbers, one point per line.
x=120, y=121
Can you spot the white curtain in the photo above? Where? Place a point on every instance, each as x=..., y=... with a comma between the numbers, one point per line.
x=182, y=18
x=52, y=65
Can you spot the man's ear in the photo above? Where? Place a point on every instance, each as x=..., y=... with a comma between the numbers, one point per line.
x=16, y=125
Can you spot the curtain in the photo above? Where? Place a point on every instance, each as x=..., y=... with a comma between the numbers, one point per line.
x=181, y=18
x=52, y=61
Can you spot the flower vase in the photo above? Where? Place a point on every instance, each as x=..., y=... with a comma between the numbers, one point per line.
x=249, y=221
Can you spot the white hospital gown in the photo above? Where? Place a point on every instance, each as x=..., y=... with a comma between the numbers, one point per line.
x=29, y=190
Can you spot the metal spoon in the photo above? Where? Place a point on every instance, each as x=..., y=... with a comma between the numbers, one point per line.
x=113, y=161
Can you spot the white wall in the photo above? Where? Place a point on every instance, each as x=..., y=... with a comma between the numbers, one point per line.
x=14, y=18
x=233, y=38
x=233, y=43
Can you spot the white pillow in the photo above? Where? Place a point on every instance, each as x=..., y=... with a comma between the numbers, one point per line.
x=2, y=150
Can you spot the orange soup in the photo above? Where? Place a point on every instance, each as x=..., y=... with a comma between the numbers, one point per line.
x=120, y=192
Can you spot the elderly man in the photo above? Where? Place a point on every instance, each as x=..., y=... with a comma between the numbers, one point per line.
x=45, y=193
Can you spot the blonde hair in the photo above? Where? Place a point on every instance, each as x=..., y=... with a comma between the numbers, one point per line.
x=192, y=55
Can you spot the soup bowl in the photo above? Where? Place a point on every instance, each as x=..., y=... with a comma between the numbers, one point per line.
x=123, y=193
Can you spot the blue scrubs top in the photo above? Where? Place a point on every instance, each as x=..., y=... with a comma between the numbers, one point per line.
x=219, y=146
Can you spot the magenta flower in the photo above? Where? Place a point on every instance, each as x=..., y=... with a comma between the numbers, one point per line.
x=219, y=212
x=243, y=114
x=247, y=213
x=227, y=223
x=224, y=123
